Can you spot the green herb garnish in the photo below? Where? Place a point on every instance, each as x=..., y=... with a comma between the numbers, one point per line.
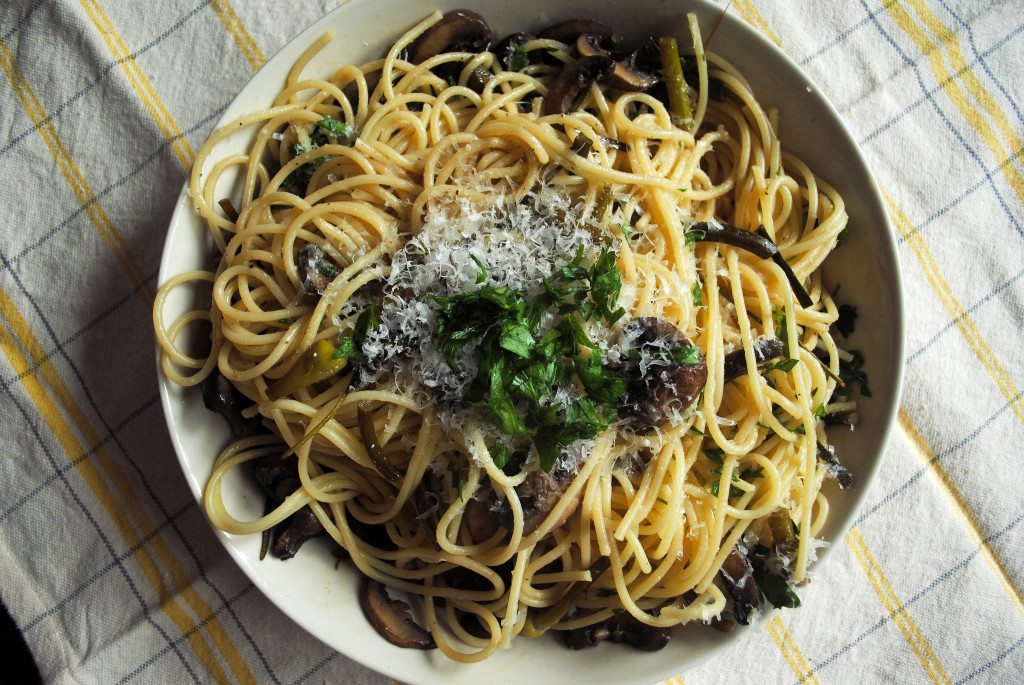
x=338, y=128
x=524, y=374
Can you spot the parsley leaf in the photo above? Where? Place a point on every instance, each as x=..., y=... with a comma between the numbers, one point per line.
x=352, y=346
x=520, y=59
x=771, y=586
x=500, y=455
x=338, y=128
x=521, y=370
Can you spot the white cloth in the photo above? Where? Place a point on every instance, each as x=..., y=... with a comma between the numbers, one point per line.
x=106, y=562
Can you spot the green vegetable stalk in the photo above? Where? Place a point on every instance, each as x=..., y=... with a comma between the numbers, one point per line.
x=678, y=93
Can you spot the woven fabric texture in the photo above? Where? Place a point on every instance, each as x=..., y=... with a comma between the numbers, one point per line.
x=107, y=564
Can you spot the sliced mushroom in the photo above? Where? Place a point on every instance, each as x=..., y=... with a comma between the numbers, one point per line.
x=624, y=628
x=625, y=76
x=427, y=499
x=659, y=387
x=460, y=30
x=539, y=493
x=391, y=617
x=575, y=78
x=765, y=350
x=277, y=475
x=294, y=531
x=835, y=469
x=568, y=31
x=479, y=518
x=316, y=271
x=738, y=576
x=221, y=396
x=279, y=479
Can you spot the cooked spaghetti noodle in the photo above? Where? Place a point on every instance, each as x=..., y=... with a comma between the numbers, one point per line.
x=415, y=188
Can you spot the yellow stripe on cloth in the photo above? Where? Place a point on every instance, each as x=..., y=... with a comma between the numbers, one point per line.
x=960, y=506
x=74, y=176
x=947, y=82
x=967, y=328
x=787, y=645
x=238, y=32
x=144, y=89
x=119, y=501
x=750, y=13
x=911, y=633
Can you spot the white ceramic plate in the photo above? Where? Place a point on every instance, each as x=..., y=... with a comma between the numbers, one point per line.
x=323, y=600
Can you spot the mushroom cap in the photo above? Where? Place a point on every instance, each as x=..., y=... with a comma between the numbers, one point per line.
x=625, y=76
x=738, y=576
x=658, y=387
x=574, y=79
x=458, y=31
x=391, y=617
x=567, y=31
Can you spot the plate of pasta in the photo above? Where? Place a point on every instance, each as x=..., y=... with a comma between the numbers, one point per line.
x=497, y=336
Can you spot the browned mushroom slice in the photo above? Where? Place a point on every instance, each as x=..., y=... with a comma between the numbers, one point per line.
x=460, y=30
x=221, y=396
x=765, y=350
x=625, y=76
x=391, y=617
x=624, y=628
x=316, y=271
x=294, y=531
x=664, y=371
x=277, y=475
x=480, y=519
x=538, y=494
x=575, y=78
x=568, y=31
x=738, y=577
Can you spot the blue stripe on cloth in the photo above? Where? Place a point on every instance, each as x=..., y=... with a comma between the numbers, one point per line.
x=941, y=455
x=942, y=116
x=917, y=103
x=916, y=229
x=163, y=652
x=967, y=312
x=30, y=424
x=981, y=669
x=1012, y=101
x=47, y=117
x=162, y=147
x=123, y=557
x=129, y=460
x=35, y=363
x=311, y=672
x=837, y=40
x=21, y=22
x=946, y=575
x=72, y=463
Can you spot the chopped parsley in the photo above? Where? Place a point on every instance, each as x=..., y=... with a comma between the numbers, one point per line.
x=847, y=320
x=338, y=128
x=520, y=59
x=771, y=586
x=852, y=373
x=524, y=373
x=352, y=346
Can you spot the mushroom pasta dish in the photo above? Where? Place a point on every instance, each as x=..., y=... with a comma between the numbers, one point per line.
x=529, y=329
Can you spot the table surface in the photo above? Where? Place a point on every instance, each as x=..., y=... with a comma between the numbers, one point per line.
x=107, y=565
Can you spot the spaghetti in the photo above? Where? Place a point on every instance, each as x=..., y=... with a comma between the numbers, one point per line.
x=410, y=230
